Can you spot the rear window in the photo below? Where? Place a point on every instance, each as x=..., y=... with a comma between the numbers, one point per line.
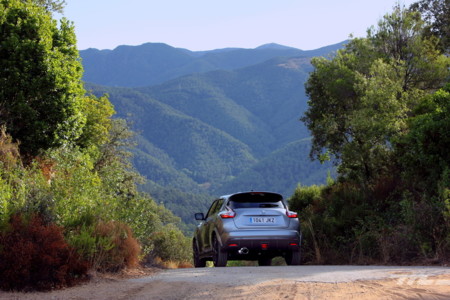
x=256, y=200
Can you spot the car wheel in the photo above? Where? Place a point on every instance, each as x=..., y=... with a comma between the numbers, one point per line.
x=265, y=261
x=219, y=256
x=198, y=262
x=292, y=258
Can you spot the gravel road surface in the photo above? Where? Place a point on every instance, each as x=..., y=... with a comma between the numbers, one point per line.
x=299, y=282
x=235, y=276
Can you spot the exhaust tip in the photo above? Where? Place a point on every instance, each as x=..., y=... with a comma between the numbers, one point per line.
x=243, y=250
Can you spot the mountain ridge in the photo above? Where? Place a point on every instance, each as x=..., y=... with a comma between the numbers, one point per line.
x=155, y=63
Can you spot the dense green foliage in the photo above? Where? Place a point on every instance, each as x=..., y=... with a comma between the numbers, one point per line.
x=361, y=99
x=437, y=15
x=423, y=151
x=380, y=108
x=40, y=75
x=65, y=161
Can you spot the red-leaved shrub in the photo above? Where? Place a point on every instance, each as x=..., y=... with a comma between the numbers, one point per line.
x=125, y=248
x=35, y=256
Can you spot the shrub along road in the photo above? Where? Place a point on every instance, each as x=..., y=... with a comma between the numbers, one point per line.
x=300, y=282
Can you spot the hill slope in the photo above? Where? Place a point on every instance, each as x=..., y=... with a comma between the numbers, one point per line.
x=281, y=171
x=172, y=140
x=259, y=105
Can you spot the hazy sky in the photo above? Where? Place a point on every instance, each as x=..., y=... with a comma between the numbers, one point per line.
x=212, y=24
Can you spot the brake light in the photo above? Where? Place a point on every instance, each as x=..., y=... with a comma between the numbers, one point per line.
x=291, y=214
x=227, y=215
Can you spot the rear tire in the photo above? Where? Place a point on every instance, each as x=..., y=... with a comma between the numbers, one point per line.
x=292, y=258
x=198, y=262
x=264, y=261
x=220, y=257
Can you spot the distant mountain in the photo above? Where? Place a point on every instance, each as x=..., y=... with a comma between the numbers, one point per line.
x=274, y=46
x=154, y=63
x=130, y=66
x=233, y=128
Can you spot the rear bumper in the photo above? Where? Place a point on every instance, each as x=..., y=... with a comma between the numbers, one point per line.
x=266, y=243
x=257, y=235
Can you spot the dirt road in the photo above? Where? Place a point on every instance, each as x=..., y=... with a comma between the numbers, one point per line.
x=301, y=282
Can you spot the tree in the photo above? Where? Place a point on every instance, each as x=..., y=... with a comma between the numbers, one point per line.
x=424, y=149
x=437, y=14
x=361, y=99
x=98, y=113
x=41, y=90
x=50, y=5
x=402, y=41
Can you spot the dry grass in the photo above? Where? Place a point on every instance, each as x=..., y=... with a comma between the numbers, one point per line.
x=9, y=151
x=126, y=250
x=159, y=263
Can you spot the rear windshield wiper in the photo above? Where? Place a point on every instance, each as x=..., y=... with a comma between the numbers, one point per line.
x=268, y=205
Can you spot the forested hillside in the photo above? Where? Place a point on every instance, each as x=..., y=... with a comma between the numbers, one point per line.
x=282, y=170
x=203, y=152
x=222, y=131
x=259, y=105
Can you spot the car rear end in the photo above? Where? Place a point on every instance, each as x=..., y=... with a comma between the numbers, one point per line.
x=258, y=225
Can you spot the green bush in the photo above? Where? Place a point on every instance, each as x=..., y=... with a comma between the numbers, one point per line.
x=107, y=246
x=336, y=223
x=170, y=244
x=91, y=247
x=305, y=196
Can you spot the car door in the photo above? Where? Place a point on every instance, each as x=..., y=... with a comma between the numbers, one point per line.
x=208, y=226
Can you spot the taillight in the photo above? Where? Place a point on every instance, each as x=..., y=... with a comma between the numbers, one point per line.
x=227, y=215
x=291, y=214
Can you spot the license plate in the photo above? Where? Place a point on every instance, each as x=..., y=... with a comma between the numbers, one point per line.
x=262, y=220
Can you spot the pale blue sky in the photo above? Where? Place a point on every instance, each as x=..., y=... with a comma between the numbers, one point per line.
x=213, y=24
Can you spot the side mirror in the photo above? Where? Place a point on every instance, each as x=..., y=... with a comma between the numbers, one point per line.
x=199, y=216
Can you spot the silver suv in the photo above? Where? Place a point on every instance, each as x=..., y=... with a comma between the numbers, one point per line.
x=247, y=226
